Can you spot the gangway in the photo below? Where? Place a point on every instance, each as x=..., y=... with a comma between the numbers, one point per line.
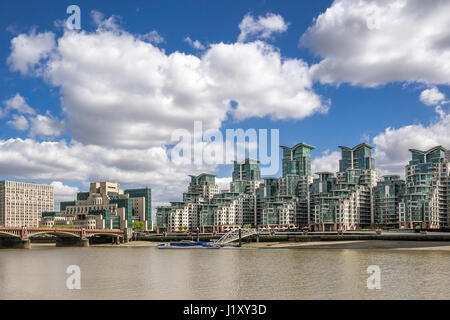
x=234, y=235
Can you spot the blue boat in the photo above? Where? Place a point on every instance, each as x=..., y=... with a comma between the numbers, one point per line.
x=187, y=244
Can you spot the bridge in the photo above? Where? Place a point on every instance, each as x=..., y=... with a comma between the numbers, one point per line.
x=19, y=237
x=236, y=234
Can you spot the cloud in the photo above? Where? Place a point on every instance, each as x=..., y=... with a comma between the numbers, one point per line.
x=18, y=104
x=27, y=50
x=123, y=97
x=152, y=37
x=195, y=44
x=262, y=27
x=372, y=42
x=432, y=96
x=75, y=162
x=391, y=146
x=63, y=193
x=110, y=24
x=46, y=126
x=327, y=162
x=19, y=122
x=255, y=76
x=112, y=81
x=224, y=183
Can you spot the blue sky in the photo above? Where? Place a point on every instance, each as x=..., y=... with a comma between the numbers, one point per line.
x=379, y=92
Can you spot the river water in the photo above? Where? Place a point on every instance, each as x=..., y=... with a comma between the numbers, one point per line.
x=150, y=273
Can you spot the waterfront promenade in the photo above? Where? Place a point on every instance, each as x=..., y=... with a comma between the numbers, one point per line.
x=307, y=237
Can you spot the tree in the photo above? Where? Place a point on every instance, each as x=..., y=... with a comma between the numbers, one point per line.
x=138, y=226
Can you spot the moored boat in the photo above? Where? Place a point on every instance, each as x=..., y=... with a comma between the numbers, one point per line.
x=187, y=244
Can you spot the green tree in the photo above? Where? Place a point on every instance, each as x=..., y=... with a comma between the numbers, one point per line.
x=138, y=226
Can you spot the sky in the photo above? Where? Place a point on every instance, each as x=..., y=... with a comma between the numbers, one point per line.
x=103, y=102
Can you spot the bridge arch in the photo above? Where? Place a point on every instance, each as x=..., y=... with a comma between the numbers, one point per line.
x=12, y=235
x=104, y=234
x=54, y=233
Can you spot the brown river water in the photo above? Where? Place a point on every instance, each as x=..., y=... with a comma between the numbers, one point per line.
x=150, y=273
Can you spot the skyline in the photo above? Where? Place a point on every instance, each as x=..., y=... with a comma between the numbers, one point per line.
x=390, y=96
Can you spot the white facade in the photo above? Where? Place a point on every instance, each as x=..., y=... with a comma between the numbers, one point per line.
x=22, y=203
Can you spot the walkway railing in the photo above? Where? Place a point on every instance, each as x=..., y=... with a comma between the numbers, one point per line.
x=233, y=235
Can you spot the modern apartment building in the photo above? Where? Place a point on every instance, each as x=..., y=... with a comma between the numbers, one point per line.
x=388, y=194
x=22, y=203
x=246, y=179
x=205, y=208
x=349, y=199
x=297, y=160
x=284, y=202
x=346, y=202
x=426, y=200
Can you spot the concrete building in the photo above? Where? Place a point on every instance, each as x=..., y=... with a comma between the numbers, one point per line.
x=22, y=203
x=105, y=206
x=53, y=219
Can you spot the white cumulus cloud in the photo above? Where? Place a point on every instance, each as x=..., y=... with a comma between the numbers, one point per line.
x=327, y=162
x=63, y=192
x=18, y=104
x=261, y=27
x=372, y=42
x=391, y=146
x=61, y=161
x=122, y=98
x=255, y=76
x=18, y=122
x=224, y=183
x=46, y=125
x=112, y=81
x=431, y=97
x=27, y=50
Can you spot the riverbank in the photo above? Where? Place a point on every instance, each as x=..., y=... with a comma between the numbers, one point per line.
x=355, y=244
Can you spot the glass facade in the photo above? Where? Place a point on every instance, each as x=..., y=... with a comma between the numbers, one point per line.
x=388, y=194
x=145, y=193
x=297, y=160
x=359, y=157
x=349, y=199
x=426, y=197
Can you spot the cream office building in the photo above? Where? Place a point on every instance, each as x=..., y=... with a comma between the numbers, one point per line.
x=22, y=203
